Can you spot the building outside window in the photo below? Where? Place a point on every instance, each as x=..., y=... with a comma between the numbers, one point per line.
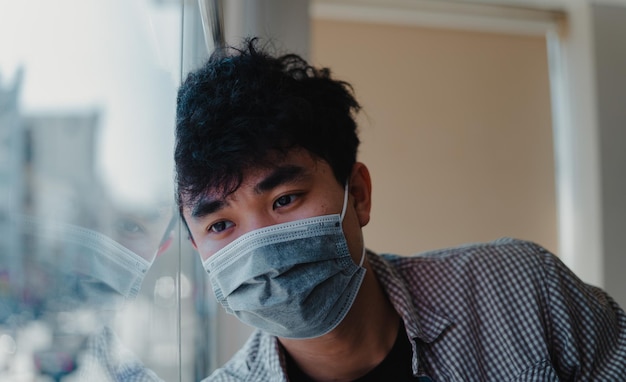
x=96, y=282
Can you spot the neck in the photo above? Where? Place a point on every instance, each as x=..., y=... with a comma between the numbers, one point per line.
x=357, y=345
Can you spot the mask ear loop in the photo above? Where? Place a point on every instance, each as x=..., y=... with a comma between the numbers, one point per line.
x=362, y=254
x=343, y=213
x=345, y=202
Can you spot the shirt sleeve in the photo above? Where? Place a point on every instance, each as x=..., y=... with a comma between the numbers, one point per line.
x=586, y=327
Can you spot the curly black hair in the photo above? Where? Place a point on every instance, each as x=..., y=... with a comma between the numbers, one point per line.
x=244, y=107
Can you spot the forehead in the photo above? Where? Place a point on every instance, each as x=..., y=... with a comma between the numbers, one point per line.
x=295, y=164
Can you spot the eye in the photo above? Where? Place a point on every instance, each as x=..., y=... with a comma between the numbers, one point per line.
x=284, y=201
x=220, y=226
x=127, y=226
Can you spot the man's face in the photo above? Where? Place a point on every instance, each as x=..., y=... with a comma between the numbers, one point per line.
x=297, y=187
x=145, y=232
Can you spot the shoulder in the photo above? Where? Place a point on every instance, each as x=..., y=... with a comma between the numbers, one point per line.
x=257, y=360
x=500, y=270
x=498, y=256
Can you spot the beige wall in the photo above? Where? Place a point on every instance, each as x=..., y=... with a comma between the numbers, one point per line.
x=456, y=131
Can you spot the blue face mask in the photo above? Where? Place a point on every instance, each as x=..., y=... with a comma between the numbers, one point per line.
x=82, y=268
x=293, y=280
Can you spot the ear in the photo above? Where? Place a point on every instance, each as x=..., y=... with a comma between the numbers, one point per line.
x=361, y=192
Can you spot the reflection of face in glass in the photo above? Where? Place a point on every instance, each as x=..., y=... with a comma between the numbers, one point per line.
x=74, y=266
x=81, y=267
x=145, y=233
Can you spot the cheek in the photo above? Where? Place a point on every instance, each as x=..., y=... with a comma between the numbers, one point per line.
x=329, y=201
x=207, y=248
x=144, y=247
x=304, y=213
x=354, y=235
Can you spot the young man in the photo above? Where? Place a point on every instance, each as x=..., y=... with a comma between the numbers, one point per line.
x=274, y=200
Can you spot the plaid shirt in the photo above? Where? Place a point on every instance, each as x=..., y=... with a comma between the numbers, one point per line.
x=502, y=311
x=106, y=359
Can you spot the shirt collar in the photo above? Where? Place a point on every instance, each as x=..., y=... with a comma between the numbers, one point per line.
x=422, y=323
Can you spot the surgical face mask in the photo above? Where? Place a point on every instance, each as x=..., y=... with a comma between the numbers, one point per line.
x=293, y=280
x=83, y=268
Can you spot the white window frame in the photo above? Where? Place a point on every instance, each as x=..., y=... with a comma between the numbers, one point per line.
x=566, y=24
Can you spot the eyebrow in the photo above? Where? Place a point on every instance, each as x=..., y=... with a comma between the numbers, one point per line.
x=279, y=176
x=206, y=207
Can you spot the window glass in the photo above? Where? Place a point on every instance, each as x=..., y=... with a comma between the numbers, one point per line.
x=91, y=287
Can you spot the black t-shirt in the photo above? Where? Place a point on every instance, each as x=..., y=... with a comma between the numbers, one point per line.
x=395, y=367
